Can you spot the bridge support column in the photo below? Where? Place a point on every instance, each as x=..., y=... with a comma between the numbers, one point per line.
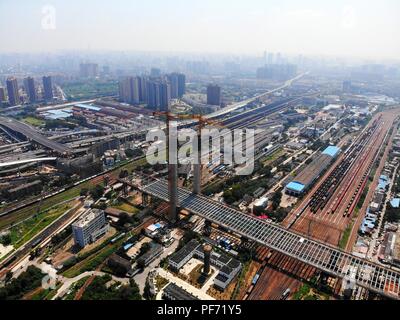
x=172, y=143
x=197, y=169
x=207, y=228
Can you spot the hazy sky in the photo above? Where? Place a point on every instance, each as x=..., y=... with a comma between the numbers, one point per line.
x=365, y=28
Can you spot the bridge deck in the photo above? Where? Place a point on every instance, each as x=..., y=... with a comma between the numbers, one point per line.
x=326, y=258
x=32, y=134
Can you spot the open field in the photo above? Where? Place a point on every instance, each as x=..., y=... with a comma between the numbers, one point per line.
x=36, y=122
x=24, y=231
x=90, y=89
x=126, y=207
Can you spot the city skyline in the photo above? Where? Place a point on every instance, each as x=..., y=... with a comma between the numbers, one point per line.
x=345, y=28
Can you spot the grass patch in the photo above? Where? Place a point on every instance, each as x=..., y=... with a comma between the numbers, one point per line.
x=24, y=213
x=345, y=237
x=271, y=158
x=241, y=279
x=69, y=194
x=302, y=292
x=93, y=260
x=90, y=89
x=161, y=282
x=40, y=294
x=126, y=207
x=36, y=122
x=307, y=292
x=75, y=287
x=26, y=230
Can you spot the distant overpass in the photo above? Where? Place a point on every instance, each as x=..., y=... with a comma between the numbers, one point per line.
x=243, y=103
x=32, y=134
x=18, y=162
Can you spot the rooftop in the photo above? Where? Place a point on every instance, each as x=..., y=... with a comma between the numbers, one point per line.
x=185, y=251
x=296, y=186
x=331, y=151
x=310, y=173
x=395, y=203
x=88, y=217
x=178, y=293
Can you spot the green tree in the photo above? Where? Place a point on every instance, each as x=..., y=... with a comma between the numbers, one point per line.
x=6, y=239
x=97, y=192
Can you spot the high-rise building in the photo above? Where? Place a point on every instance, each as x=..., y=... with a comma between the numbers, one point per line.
x=124, y=90
x=174, y=83
x=278, y=58
x=48, y=88
x=213, y=95
x=29, y=84
x=134, y=83
x=89, y=70
x=153, y=94
x=347, y=86
x=181, y=85
x=142, y=82
x=106, y=70
x=12, y=90
x=155, y=72
x=165, y=95
x=178, y=84
x=279, y=72
x=90, y=227
x=2, y=95
x=129, y=90
x=270, y=58
x=158, y=95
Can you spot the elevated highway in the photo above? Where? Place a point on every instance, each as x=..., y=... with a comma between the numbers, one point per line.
x=19, y=162
x=31, y=134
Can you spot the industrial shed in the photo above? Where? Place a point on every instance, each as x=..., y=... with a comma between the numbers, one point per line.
x=309, y=175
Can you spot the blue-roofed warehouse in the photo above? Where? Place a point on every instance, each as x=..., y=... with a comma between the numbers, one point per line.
x=296, y=187
x=395, y=203
x=331, y=151
x=310, y=174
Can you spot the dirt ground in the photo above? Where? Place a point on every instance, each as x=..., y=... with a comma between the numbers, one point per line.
x=68, y=250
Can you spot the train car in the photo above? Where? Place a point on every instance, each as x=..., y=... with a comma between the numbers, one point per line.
x=255, y=279
x=36, y=242
x=115, y=239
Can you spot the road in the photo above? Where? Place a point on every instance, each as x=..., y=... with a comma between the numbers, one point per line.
x=140, y=278
x=63, y=105
x=68, y=282
x=243, y=103
x=12, y=163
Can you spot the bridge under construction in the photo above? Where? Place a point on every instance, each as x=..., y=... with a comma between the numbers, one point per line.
x=326, y=258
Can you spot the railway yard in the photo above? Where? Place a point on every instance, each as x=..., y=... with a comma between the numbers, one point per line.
x=329, y=208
